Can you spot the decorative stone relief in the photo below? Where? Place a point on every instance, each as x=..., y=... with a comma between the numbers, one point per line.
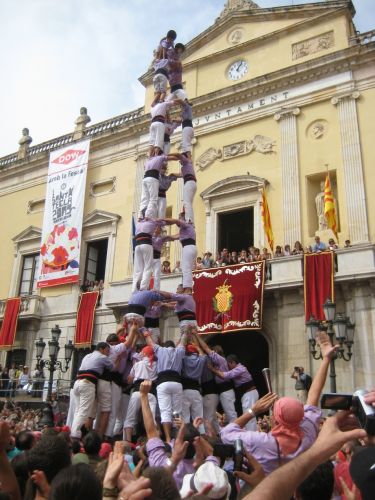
x=101, y=188
x=35, y=206
x=235, y=5
x=208, y=157
x=260, y=144
x=236, y=35
x=24, y=143
x=312, y=45
x=317, y=129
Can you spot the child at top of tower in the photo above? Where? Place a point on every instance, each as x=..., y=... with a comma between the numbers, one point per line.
x=175, y=71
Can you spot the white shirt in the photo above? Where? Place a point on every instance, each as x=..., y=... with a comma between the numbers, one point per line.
x=143, y=369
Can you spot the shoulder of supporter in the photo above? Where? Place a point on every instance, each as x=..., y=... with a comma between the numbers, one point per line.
x=157, y=456
x=216, y=358
x=250, y=439
x=119, y=348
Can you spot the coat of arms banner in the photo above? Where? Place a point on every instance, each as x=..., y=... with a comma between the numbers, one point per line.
x=229, y=298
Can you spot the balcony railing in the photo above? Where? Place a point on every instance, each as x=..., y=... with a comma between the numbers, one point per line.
x=362, y=38
x=30, y=307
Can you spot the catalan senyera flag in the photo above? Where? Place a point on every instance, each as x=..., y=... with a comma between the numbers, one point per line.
x=329, y=206
x=266, y=218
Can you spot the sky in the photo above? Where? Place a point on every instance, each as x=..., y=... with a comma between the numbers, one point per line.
x=58, y=56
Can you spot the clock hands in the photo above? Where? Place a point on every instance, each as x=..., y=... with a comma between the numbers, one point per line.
x=238, y=67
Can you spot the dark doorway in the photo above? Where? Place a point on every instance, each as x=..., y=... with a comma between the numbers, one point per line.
x=236, y=230
x=96, y=258
x=17, y=356
x=252, y=350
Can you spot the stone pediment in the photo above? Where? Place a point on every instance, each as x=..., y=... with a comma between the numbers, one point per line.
x=29, y=234
x=242, y=21
x=233, y=184
x=100, y=217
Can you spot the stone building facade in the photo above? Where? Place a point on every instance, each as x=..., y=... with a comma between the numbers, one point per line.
x=279, y=95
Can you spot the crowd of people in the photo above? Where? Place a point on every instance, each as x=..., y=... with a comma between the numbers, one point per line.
x=293, y=453
x=19, y=379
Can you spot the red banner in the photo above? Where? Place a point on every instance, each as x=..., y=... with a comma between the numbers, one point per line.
x=229, y=298
x=85, y=319
x=318, y=283
x=9, y=326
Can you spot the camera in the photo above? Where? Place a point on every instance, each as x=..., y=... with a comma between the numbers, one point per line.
x=364, y=412
x=296, y=368
x=230, y=451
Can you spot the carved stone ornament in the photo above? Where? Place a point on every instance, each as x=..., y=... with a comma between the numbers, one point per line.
x=259, y=144
x=236, y=35
x=208, y=157
x=311, y=45
x=317, y=130
x=103, y=187
x=233, y=5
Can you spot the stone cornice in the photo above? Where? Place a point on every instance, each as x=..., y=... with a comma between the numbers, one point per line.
x=146, y=78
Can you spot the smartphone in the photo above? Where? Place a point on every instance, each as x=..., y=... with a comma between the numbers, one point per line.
x=238, y=455
x=335, y=401
x=223, y=451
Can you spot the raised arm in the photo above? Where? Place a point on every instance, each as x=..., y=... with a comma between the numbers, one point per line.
x=282, y=483
x=132, y=335
x=202, y=343
x=148, y=419
x=328, y=351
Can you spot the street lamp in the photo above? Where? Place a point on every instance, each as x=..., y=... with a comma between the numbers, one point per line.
x=53, y=364
x=336, y=325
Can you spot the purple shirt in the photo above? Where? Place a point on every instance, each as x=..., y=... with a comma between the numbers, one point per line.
x=157, y=457
x=239, y=375
x=220, y=363
x=165, y=181
x=161, y=109
x=169, y=358
x=153, y=312
x=145, y=297
x=158, y=242
x=147, y=226
x=187, y=230
x=96, y=361
x=175, y=72
x=119, y=354
x=155, y=163
x=185, y=302
x=263, y=446
x=187, y=166
x=192, y=366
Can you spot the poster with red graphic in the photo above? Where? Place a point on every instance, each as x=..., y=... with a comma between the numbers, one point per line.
x=63, y=213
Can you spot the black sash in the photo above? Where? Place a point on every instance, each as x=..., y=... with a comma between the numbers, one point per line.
x=188, y=383
x=89, y=375
x=151, y=322
x=157, y=254
x=209, y=387
x=158, y=118
x=161, y=71
x=152, y=173
x=187, y=123
x=224, y=386
x=244, y=388
x=189, y=177
x=186, y=315
x=168, y=376
x=187, y=241
x=167, y=138
x=143, y=239
x=137, y=384
x=162, y=193
x=177, y=86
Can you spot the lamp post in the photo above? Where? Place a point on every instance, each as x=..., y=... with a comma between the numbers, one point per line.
x=336, y=325
x=53, y=364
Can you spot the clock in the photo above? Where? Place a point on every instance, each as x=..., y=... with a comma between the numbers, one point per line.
x=237, y=70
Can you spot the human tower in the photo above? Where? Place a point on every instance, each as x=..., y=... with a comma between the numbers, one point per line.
x=184, y=383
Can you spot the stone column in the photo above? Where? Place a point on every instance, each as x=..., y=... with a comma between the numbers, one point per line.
x=352, y=167
x=141, y=159
x=290, y=174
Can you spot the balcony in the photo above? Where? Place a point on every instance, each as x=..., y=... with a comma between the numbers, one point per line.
x=30, y=308
x=353, y=263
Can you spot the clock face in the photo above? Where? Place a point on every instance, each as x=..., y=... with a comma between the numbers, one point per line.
x=237, y=70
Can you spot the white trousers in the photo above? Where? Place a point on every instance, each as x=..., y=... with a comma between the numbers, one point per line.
x=156, y=271
x=210, y=402
x=190, y=188
x=169, y=399
x=119, y=424
x=162, y=207
x=84, y=394
x=149, y=197
x=192, y=405
x=247, y=401
x=143, y=258
x=167, y=148
x=187, y=137
x=189, y=257
x=134, y=408
x=227, y=400
x=157, y=130
x=72, y=409
x=160, y=82
x=116, y=392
